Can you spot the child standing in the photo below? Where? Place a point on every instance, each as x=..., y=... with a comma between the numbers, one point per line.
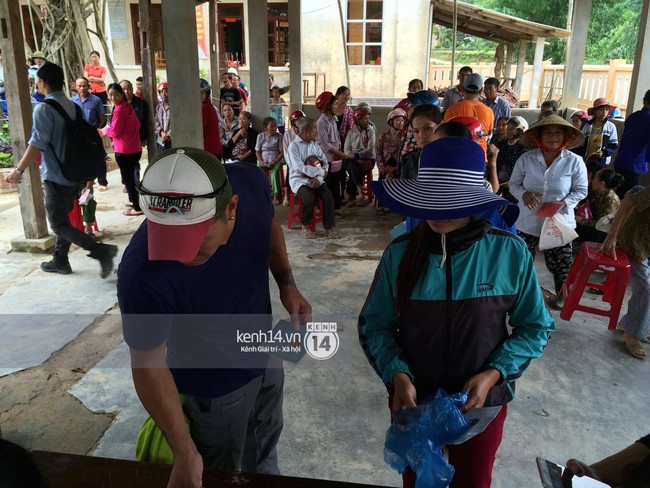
x=269, y=154
x=276, y=108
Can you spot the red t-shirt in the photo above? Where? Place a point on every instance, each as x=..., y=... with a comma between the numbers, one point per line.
x=211, y=139
x=96, y=72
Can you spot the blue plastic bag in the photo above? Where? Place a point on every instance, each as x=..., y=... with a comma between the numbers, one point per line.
x=418, y=434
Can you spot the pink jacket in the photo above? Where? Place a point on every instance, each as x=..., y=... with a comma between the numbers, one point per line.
x=125, y=130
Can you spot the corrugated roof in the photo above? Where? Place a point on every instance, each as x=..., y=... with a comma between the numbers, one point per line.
x=493, y=26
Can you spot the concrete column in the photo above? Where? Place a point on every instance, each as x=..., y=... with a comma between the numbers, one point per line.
x=641, y=72
x=537, y=72
x=258, y=32
x=519, y=77
x=576, y=54
x=181, y=54
x=19, y=106
x=510, y=54
x=215, y=76
x=148, y=73
x=295, y=55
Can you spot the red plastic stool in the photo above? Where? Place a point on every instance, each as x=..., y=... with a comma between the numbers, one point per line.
x=367, y=188
x=294, y=216
x=589, y=260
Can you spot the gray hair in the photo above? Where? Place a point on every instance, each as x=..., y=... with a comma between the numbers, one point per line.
x=305, y=123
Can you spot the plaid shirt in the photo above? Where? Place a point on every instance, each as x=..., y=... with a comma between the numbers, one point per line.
x=162, y=118
x=387, y=147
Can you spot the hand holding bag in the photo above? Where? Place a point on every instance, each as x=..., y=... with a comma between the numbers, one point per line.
x=555, y=233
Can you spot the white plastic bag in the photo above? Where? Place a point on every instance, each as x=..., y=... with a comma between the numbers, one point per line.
x=555, y=233
x=604, y=223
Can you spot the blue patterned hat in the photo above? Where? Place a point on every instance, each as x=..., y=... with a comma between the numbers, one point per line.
x=450, y=185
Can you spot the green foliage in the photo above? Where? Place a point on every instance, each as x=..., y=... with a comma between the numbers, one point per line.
x=6, y=160
x=612, y=32
x=5, y=136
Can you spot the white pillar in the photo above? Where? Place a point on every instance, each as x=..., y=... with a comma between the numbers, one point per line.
x=519, y=77
x=182, y=58
x=537, y=72
x=258, y=38
x=641, y=72
x=295, y=54
x=576, y=54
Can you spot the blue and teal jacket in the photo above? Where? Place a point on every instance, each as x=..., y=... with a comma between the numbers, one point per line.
x=455, y=323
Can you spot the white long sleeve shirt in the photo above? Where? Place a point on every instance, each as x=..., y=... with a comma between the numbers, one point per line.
x=361, y=141
x=299, y=172
x=565, y=180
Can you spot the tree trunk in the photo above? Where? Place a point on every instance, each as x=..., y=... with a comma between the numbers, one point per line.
x=66, y=36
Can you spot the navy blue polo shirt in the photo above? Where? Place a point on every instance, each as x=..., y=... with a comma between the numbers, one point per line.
x=203, y=311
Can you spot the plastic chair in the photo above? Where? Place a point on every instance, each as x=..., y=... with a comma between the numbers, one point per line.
x=589, y=260
x=294, y=215
x=367, y=187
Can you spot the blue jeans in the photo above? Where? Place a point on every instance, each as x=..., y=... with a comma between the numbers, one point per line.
x=636, y=321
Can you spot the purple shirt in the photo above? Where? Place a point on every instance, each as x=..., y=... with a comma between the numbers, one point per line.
x=328, y=136
x=634, y=147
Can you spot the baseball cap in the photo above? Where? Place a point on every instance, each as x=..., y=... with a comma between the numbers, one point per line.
x=181, y=191
x=473, y=83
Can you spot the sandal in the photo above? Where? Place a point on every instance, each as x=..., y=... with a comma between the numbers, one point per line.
x=132, y=213
x=332, y=234
x=621, y=330
x=636, y=350
x=307, y=233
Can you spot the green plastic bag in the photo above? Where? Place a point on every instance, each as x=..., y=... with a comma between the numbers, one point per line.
x=152, y=447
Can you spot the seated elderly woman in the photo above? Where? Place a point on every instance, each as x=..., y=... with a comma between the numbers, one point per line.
x=308, y=168
x=360, y=152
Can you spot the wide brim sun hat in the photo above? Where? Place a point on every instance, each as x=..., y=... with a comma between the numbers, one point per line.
x=600, y=102
x=449, y=185
x=531, y=137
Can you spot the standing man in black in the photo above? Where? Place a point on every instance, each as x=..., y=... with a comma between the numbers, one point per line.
x=141, y=109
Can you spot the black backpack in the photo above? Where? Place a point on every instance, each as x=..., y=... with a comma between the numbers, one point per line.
x=85, y=157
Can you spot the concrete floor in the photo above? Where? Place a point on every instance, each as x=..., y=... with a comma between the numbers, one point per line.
x=585, y=398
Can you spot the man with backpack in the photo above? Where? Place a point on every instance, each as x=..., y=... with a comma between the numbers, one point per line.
x=50, y=134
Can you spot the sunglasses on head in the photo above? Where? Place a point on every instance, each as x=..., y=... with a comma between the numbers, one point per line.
x=143, y=191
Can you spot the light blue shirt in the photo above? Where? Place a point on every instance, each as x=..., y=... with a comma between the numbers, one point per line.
x=565, y=180
x=500, y=108
x=49, y=134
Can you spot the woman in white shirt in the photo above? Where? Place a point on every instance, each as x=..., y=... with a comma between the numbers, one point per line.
x=548, y=172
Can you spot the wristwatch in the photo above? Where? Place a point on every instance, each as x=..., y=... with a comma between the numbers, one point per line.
x=19, y=171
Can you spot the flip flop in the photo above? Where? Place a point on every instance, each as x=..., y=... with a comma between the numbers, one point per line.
x=132, y=213
x=307, y=234
x=635, y=350
x=332, y=234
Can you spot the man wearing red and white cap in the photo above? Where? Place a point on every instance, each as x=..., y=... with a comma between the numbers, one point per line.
x=192, y=285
